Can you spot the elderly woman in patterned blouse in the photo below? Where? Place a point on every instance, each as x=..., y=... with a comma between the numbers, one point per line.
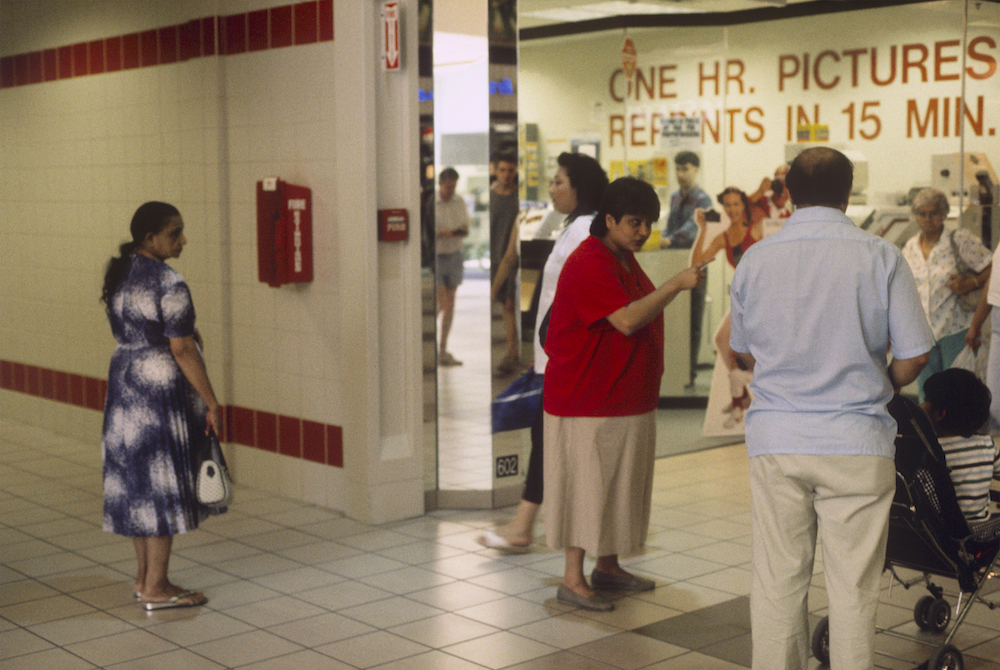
x=936, y=256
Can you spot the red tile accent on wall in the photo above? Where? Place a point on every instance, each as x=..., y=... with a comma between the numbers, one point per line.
x=6, y=375
x=130, y=51
x=34, y=385
x=113, y=53
x=48, y=384
x=241, y=426
x=313, y=441
x=62, y=386
x=96, y=49
x=21, y=69
x=189, y=37
x=306, y=30
x=281, y=26
x=9, y=64
x=234, y=34
x=257, y=30
x=50, y=65
x=287, y=435
x=148, y=54
x=168, y=44
x=76, y=390
x=6, y=72
x=35, y=68
x=290, y=436
x=92, y=393
x=20, y=378
x=208, y=36
x=80, y=60
x=335, y=446
x=325, y=20
x=65, y=62
x=267, y=430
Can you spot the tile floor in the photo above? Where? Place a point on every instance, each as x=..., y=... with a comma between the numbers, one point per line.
x=465, y=452
x=293, y=586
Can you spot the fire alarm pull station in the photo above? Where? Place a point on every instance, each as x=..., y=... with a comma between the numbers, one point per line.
x=393, y=225
x=284, y=232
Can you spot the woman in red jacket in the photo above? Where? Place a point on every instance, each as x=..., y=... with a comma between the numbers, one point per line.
x=602, y=382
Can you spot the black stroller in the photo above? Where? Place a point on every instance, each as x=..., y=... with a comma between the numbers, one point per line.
x=928, y=533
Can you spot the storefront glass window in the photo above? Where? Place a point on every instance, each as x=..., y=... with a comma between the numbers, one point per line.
x=909, y=92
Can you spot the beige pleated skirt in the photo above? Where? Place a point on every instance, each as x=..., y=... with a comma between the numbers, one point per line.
x=599, y=482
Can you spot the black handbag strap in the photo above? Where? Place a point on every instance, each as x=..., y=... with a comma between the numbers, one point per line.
x=543, y=328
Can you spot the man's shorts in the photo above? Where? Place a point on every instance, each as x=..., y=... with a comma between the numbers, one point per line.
x=449, y=269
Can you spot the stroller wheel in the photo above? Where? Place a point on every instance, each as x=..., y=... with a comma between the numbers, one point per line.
x=821, y=641
x=939, y=615
x=921, y=612
x=928, y=614
x=946, y=658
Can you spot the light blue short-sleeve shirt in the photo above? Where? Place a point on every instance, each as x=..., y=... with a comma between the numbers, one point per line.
x=818, y=304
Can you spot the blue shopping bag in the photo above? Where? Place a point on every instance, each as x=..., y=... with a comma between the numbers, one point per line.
x=517, y=405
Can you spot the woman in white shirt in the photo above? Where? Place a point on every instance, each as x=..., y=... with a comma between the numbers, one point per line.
x=576, y=191
x=936, y=256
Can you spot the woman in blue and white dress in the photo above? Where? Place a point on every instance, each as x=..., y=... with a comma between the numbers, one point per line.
x=160, y=405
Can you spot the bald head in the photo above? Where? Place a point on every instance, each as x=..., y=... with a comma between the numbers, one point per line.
x=820, y=177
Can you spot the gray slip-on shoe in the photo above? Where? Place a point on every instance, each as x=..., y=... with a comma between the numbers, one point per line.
x=606, y=582
x=595, y=603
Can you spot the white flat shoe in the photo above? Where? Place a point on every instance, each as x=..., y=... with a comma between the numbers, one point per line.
x=491, y=540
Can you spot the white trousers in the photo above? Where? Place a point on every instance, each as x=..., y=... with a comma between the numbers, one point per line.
x=844, y=500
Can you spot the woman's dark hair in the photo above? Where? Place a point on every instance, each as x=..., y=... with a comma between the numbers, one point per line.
x=627, y=195
x=963, y=398
x=587, y=177
x=743, y=197
x=151, y=217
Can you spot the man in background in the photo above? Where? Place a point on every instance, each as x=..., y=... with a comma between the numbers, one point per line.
x=451, y=220
x=505, y=205
x=680, y=233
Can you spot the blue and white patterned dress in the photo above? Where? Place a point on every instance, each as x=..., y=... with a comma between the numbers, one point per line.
x=154, y=421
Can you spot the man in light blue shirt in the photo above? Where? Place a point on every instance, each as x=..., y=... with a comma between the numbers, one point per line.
x=816, y=308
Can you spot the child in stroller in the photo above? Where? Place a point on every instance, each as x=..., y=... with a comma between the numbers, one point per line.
x=928, y=531
x=958, y=404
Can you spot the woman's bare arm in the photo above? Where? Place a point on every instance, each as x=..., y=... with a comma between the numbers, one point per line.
x=191, y=363
x=973, y=337
x=638, y=313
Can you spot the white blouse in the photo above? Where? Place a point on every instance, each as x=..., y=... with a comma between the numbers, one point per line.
x=943, y=310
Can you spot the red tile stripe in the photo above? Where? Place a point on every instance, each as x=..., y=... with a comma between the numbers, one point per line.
x=286, y=435
x=274, y=28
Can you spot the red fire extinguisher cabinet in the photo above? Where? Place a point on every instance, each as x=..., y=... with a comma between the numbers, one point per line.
x=284, y=232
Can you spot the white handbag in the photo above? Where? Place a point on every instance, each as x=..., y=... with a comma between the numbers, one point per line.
x=213, y=486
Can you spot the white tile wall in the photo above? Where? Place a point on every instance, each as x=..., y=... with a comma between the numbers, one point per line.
x=80, y=154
